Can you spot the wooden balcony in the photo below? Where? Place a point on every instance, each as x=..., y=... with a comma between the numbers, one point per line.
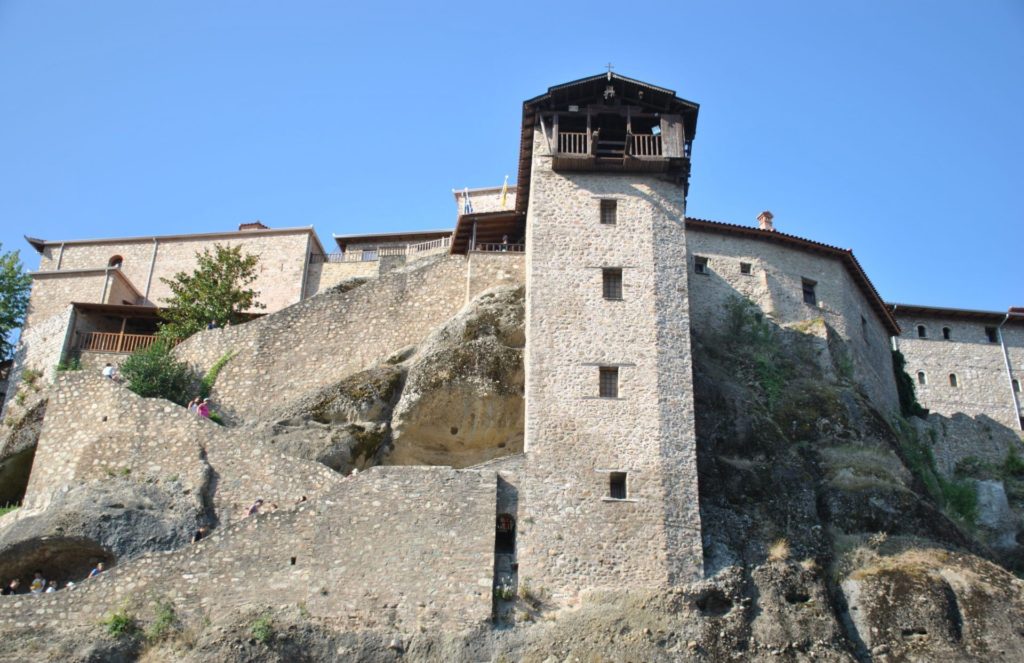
x=644, y=146
x=113, y=342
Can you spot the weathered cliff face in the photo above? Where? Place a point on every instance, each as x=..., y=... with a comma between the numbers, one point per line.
x=454, y=400
x=462, y=402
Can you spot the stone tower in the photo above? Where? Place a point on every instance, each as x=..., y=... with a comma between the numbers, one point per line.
x=609, y=491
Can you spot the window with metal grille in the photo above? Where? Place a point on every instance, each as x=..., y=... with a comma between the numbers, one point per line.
x=810, y=297
x=745, y=268
x=700, y=265
x=953, y=382
x=617, y=485
x=609, y=211
x=612, y=279
x=608, y=382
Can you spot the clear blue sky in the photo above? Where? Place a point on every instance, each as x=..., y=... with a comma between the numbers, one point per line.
x=892, y=128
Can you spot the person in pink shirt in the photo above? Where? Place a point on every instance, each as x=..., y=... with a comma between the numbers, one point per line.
x=204, y=409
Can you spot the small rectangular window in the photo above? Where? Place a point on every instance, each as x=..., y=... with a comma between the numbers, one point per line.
x=745, y=268
x=991, y=334
x=700, y=265
x=947, y=334
x=1016, y=386
x=864, y=328
x=608, y=386
x=921, y=378
x=612, y=282
x=810, y=297
x=609, y=211
x=617, y=485
x=953, y=382
x=922, y=332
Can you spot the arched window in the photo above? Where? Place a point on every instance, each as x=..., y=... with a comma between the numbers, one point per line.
x=922, y=332
x=947, y=334
x=922, y=378
x=953, y=382
x=115, y=262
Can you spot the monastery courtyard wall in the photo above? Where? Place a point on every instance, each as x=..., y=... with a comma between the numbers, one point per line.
x=323, y=339
x=774, y=285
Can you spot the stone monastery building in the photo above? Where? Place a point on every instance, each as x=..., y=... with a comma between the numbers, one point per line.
x=617, y=278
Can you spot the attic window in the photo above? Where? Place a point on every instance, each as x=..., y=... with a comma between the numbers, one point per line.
x=922, y=332
x=609, y=210
x=922, y=379
x=745, y=268
x=947, y=334
x=810, y=296
x=608, y=382
x=700, y=265
x=115, y=262
x=953, y=382
x=612, y=282
x=992, y=334
x=617, y=485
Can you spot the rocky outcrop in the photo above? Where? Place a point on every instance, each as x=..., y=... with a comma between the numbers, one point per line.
x=462, y=403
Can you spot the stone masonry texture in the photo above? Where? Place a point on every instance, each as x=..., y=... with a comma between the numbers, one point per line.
x=573, y=535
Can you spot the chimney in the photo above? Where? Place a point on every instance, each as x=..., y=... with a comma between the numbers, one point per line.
x=255, y=225
x=764, y=220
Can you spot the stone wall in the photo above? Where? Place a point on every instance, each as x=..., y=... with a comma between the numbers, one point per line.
x=486, y=270
x=325, y=275
x=51, y=293
x=319, y=341
x=397, y=548
x=983, y=386
x=40, y=348
x=573, y=534
x=283, y=259
x=96, y=428
x=774, y=284
x=120, y=290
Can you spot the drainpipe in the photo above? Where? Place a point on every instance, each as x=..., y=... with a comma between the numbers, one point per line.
x=152, y=264
x=106, y=282
x=1009, y=370
x=895, y=338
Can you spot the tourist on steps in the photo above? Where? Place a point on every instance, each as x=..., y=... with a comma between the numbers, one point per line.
x=203, y=410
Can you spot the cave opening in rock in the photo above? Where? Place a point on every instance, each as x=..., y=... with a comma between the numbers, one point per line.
x=59, y=558
x=14, y=474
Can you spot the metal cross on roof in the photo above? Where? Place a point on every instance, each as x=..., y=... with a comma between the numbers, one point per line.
x=610, y=67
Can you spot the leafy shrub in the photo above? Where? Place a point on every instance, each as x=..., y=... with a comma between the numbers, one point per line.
x=216, y=418
x=961, y=498
x=1013, y=466
x=165, y=623
x=7, y=508
x=263, y=629
x=120, y=624
x=153, y=372
x=30, y=375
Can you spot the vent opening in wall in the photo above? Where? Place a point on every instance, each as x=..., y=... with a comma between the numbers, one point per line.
x=922, y=378
x=609, y=211
x=922, y=332
x=617, y=485
x=608, y=382
x=947, y=333
x=700, y=265
x=810, y=294
x=745, y=268
x=612, y=282
x=953, y=382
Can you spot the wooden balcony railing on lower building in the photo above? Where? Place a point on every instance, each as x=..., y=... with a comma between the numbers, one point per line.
x=113, y=341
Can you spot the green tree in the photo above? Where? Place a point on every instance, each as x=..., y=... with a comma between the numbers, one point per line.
x=14, y=290
x=216, y=291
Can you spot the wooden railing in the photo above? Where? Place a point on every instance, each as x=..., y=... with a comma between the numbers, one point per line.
x=500, y=248
x=113, y=341
x=440, y=243
x=645, y=145
x=573, y=143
